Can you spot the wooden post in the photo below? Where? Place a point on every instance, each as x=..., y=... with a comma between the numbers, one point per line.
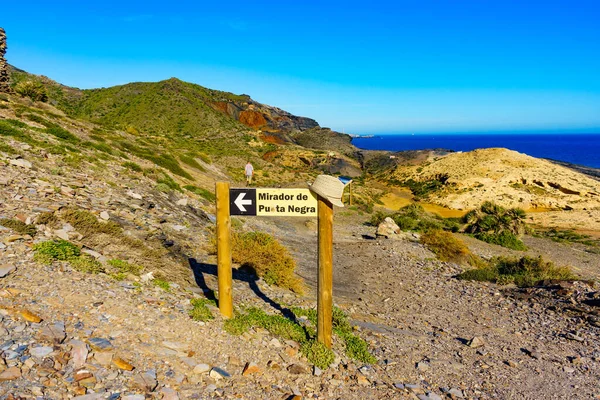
x=325, y=282
x=350, y=190
x=224, y=272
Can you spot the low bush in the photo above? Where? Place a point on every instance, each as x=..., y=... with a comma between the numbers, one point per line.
x=305, y=334
x=268, y=258
x=504, y=239
x=191, y=161
x=445, y=246
x=495, y=224
x=36, y=91
x=62, y=133
x=200, y=311
x=161, y=283
x=132, y=166
x=567, y=236
x=523, y=272
x=125, y=267
x=413, y=217
x=62, y=250
x=208, y=195
x=19, y=226
x=87, y=223
x=58, y=250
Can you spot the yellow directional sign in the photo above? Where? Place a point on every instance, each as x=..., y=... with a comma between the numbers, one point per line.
x=272, y=202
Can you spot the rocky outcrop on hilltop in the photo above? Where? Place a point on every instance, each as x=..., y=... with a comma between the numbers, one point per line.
x=4, y=76
x=264, y=117
x=506, y=177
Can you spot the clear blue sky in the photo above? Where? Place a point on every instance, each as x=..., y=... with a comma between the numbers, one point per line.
x=361, y=67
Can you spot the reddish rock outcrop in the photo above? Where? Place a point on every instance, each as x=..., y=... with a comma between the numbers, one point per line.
x=253, y=119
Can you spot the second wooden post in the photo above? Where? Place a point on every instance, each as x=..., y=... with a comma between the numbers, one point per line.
x=325, y=281
x=224, y=272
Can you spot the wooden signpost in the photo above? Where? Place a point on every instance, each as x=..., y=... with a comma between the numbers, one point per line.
x=284, y=203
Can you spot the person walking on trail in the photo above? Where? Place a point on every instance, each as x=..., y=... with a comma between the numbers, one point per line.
x=249, y=172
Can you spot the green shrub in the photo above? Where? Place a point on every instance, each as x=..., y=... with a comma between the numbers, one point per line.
x=524, y=272
x=267, y=257
x=422, y=189
x=315, y=352
x=200, y=311
x=567, y=236
x=5, y=148
x=55, y=250
x=504, y=239
x=132, y=166
x=32, y=89
x=87, y=223
x=413, y=217
x=447, y=247
x=18, y=226
x=125, y=267
x=62, y=133
x=161, y=283
x=191, y=161
x=208, y=195
x=87, y=264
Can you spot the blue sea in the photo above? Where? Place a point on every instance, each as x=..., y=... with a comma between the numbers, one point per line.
x=582, y=149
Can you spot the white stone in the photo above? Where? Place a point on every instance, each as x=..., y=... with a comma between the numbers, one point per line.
x=104, y=215
x=201, y=368
x=134, y=195
x=19, y=162
x=6, y=269
x=182, y=202
x=40, y=352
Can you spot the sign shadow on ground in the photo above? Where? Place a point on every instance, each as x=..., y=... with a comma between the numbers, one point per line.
x=242, y=274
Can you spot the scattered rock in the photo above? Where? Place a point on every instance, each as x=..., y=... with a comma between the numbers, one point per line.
x=20, y=162
x=251, y=368
x=122, y=364
x=104, y=215
x=31, y=317
x=201, y=369
x=79, y=353
x=146, y=381
x=10, y=374
x=218, y=373
x=40, y=352
x=100, y=344
x=387, y=228
x=296, y=369
x=5, y=270
x=476, y=342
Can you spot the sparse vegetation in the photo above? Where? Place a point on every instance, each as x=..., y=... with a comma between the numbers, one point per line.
x=566, y=236
x=208, y=195
x=200, y=311
x=523, y=272
x=447, y=247
x=495, y=224
x=422, y=189
x=19, y=226
x=36, y=91
x=124, y=267
x=87, y=223
x=63, y=250
x=304, y=334
x=161, y=283
x=132, y=166
x=414, y=218
x=269, y=259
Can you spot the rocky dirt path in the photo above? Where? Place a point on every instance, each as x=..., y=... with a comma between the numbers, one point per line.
x=66, y=334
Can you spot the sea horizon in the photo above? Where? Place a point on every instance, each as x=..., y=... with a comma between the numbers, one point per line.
x=582, y=148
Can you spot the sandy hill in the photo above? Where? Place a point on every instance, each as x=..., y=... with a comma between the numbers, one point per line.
x=506, y=177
